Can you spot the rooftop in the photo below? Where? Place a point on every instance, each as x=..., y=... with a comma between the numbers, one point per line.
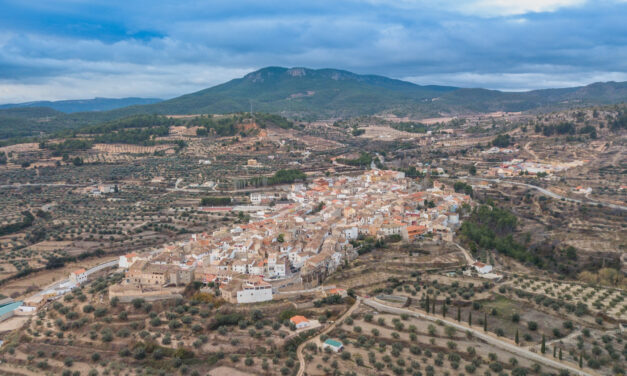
x=332, y=342
x=9, y=307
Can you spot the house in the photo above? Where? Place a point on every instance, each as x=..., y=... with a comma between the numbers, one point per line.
x=300, y=322
x=412, y=232
x=337, y=291
x=127, y=260
x=335, y=346
x=107, y=188
x=482, y=268
x=78, y=276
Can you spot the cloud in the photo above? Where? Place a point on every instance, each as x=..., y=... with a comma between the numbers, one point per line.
x=78, y=49
x=487, y=8
x=518, y=81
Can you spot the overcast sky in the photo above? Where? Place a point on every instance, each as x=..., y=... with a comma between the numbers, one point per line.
x=51, y=50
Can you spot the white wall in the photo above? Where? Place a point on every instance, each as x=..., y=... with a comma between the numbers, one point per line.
x=254, y=296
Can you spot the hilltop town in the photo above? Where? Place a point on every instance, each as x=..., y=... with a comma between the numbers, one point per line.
x=301, y=241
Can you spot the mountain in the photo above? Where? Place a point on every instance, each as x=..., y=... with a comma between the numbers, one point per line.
x=323, y=93
x=84, y=105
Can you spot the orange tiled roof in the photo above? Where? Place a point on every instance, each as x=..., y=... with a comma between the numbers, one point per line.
x=298, y=319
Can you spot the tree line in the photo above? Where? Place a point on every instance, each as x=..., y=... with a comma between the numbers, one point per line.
x=11, y=228
x=490, y=227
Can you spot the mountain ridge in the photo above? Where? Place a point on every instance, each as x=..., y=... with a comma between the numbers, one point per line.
x=310, y=94
x=84, y=105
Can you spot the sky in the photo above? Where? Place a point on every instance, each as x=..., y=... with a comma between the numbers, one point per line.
x=72, y=49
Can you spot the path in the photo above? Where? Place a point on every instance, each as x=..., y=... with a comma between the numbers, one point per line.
x=467, y=255
x=528, y=149
x=19, y=185
x=299, y=351
x=547, y=192
x=504, y=345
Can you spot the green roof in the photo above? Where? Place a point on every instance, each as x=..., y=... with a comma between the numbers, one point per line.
x=9, y=307
x=332, y=342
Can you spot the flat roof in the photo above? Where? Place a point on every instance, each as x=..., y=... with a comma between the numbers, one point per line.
x=9, y=307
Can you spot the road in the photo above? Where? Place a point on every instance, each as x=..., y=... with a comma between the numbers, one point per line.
x=467, y=255
x=503, y=345
x=51, y=288
x=548, y=193
x=19, y=185
x=299, y=351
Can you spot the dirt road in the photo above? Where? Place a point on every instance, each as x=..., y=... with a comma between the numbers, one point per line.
x=504, y=345
x=299, y=351
x=548, y=193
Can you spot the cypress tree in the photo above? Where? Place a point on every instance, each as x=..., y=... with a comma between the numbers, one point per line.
x=444, y=309
x=543, y=346
x=427, y=304
x=433, y=307
x=470, y=318
x=485, y=322
x=554, y=351
x=516, y=339
x=580, y=361
x=459, y=314
x=560, y=354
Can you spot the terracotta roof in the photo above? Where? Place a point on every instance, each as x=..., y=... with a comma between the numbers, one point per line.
x=298, y=319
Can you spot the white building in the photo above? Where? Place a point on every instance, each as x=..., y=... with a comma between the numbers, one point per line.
x=127, y=260
x=351, y=233
x=300, y=322
x=482, y=268
x=335, y=346
x=254, y=292
x=79, y=276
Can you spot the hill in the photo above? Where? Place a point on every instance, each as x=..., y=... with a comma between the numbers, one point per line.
x=83, y=105
x=325, y=93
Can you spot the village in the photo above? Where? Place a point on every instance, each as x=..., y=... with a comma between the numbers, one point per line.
x=300, y=242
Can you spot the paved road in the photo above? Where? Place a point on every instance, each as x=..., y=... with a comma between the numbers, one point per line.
x=548, y=193
x=51, y=288
x=299, y=351
x=516, y=350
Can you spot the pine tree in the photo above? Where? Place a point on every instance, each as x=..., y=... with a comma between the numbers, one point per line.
x=543, y=347
x=459, y=314
x=560, y=355
x=516, y=339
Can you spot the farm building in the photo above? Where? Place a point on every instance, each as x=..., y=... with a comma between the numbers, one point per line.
x=334, y=345
x=8, y=310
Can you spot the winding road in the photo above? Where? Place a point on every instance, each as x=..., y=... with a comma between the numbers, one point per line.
x=504, y=345
x=299, y=351
x=547, y=192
